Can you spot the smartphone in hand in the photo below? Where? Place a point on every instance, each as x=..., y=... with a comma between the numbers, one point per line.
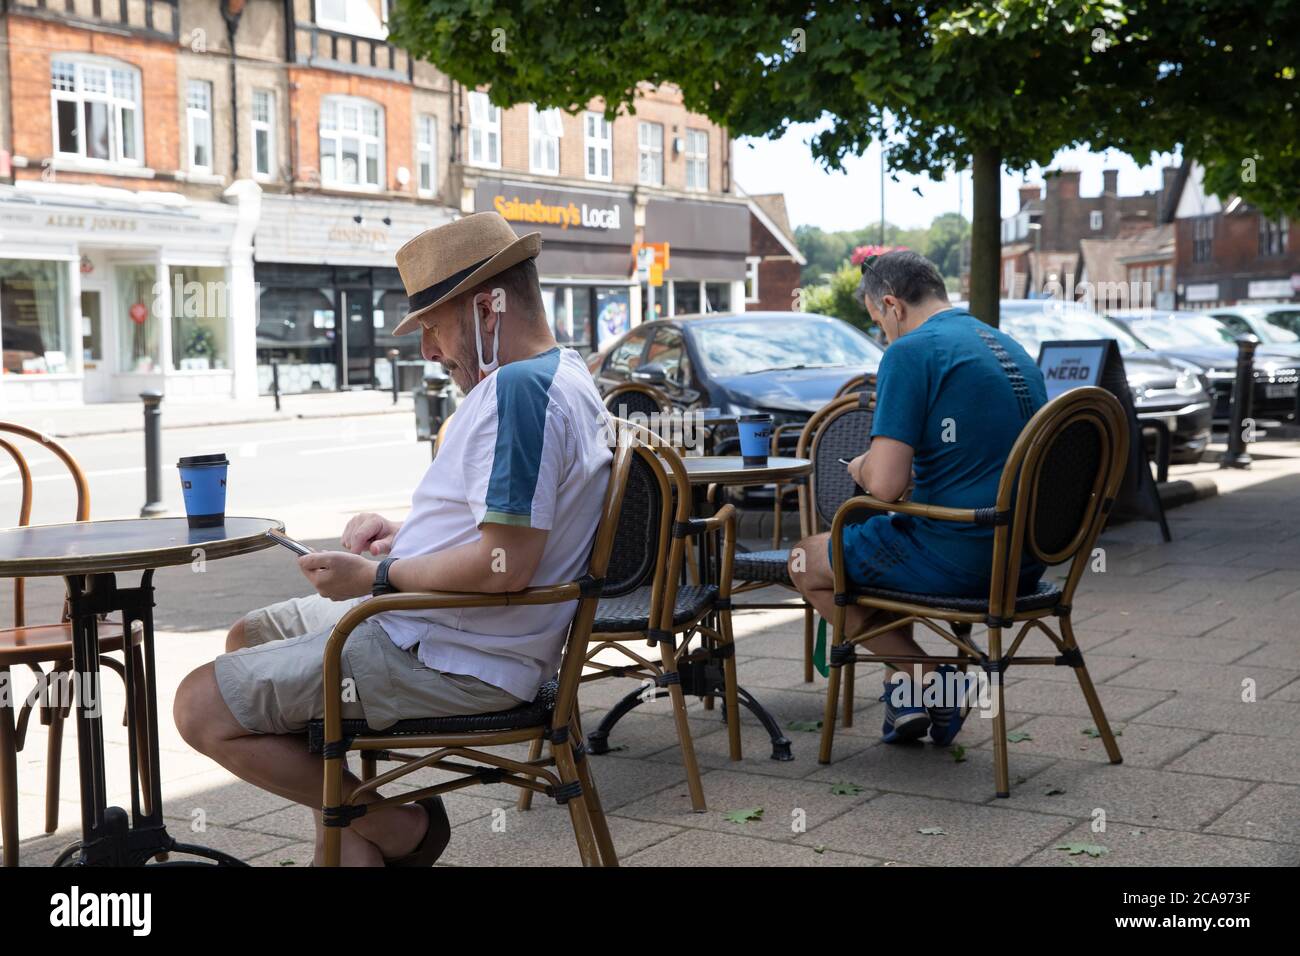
x=297, y=547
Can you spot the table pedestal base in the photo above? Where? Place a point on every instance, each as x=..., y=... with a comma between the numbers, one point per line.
x=109, y=836
x=121, y=844
x=701, y=676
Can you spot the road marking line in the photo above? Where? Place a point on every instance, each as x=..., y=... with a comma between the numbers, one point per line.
x=338, y=448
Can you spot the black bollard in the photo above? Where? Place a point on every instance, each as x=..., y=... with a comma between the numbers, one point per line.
x=152, y=454
x=392, y=361
x=275, y=383
x=1243, y=391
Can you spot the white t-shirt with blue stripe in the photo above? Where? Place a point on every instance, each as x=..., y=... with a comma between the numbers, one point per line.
x=528, y=446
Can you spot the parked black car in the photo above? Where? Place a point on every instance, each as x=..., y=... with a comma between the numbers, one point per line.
x=1165, y=388
x=1210, y=343
x=788, y=364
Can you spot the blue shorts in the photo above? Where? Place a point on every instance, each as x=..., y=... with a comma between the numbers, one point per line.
x=882, y=553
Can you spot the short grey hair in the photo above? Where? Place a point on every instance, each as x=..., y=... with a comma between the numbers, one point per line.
x=903, y=274
x=522, y=287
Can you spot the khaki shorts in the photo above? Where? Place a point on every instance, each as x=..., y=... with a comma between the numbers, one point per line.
x=273, y=686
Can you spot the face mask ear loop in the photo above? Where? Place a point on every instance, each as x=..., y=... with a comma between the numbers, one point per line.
x=486, y=367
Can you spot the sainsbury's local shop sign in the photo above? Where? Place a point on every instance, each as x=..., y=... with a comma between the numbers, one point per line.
x=569, y=215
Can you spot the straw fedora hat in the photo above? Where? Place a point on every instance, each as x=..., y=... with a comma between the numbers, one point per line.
x=444, y=262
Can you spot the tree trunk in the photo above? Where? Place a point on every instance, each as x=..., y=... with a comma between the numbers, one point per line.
x=986, y=233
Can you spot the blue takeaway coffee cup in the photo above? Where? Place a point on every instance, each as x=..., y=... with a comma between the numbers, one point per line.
x=203, y=482
x=755, y=436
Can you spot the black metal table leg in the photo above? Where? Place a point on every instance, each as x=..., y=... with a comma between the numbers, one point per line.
x=780, y=742
x=109, y=836
x=700, y=674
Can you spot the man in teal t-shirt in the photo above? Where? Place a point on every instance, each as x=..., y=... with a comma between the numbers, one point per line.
x=952, y=397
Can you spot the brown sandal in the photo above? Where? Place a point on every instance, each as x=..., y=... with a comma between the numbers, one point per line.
x=435, y=839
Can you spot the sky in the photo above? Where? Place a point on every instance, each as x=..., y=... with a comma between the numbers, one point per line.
x=851, y=199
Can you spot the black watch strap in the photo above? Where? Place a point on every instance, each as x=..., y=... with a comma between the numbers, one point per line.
x=381, y=585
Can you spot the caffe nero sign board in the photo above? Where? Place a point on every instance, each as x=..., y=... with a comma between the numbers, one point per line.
x=566, y=215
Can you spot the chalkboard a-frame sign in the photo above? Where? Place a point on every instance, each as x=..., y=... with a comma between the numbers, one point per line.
x=1072, y=364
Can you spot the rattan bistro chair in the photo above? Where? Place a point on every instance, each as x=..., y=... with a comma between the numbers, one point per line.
x=637, y=399
x=34, y=645
x=859, y=383
x=840, y=429
x=645, y=600
x=855, y=386
x=1055, y=494
x=459, y=744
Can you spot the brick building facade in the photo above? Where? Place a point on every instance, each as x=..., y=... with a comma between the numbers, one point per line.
x=775, y=262
x=171, y=168
x=1041, y=240
x=1230, y=254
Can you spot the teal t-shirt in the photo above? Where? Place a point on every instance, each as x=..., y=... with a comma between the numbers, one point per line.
x=958, y=392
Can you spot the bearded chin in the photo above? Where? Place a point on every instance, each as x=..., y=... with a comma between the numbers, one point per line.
x=470, y=369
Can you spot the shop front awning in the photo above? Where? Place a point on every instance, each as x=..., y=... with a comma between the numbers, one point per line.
x=707, y=240
x=60, y=218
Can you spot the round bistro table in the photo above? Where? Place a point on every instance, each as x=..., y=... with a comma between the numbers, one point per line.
x=700, y=671
x=88, y=555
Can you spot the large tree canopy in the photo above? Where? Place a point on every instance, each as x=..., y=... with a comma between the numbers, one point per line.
x=945, y=85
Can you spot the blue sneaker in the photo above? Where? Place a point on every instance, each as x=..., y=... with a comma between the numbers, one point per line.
x=902, y=723
x=946, y=722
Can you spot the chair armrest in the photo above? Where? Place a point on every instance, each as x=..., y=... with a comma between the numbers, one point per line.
x=725, y=521
x=437, y=600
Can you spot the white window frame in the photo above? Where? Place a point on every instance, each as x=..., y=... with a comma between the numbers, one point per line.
x=113, y=69
x=597, y=146
x=334, y=107
x=484, y=132
x=696, y=160
x=265, y=127
x=353, y=21
x=426, y=153
x=545, y=129
x=1096, y=218
x=648, y=151
x=752, y=264
x=199, y=119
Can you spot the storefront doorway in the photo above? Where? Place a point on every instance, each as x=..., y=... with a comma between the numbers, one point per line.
x=97, y=384
x=358, y=339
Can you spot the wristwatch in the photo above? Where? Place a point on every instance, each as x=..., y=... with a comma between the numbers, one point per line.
x=381, y=585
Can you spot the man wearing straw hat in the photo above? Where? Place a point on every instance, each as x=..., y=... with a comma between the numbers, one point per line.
x=512, y=499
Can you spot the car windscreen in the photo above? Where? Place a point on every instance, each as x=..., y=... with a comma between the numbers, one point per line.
x=740, y=347
x=1032, y=326
x=1190, y=332
x=1283, y=326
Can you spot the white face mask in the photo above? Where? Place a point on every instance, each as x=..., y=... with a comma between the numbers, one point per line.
x=485, y=367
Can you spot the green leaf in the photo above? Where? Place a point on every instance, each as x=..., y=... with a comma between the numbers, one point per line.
x=807, y=726
x=820, y=848
x=1016, y=736
x=1075, y=849
x=933, y=831
x=846, y=789
x=958, y=753
x=1094, y=733
x=744, y=816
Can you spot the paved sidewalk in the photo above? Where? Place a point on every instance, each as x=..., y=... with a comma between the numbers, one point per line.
x=108, y=417
x=1193, y=646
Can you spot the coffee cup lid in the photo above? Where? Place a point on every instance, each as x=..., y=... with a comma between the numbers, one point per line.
x=758, y=417
x=198, y=461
